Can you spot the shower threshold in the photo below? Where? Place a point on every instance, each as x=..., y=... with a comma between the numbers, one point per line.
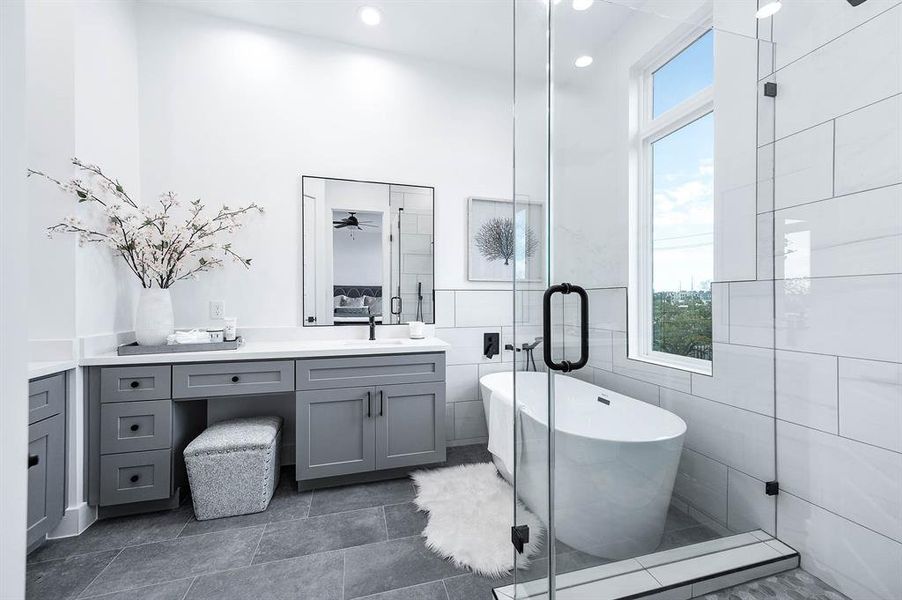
x=677, y=574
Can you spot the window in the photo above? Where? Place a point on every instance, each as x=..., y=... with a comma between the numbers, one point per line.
x=673, y=223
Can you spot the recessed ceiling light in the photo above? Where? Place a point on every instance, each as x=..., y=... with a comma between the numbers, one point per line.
x=582, y=4
x=370, y=15
x=769, y=9
x=583, y=61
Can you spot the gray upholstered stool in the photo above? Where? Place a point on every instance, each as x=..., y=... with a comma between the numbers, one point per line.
x=233, y=467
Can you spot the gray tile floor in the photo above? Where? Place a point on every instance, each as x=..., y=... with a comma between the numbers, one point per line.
x=360, y=541
x=791, y=585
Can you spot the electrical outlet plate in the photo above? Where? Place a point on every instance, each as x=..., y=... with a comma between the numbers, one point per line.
x=217, y=309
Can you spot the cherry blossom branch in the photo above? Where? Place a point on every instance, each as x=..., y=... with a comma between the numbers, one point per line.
x=158, y=247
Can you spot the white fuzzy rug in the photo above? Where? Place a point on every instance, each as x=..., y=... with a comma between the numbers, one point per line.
x=471, y=511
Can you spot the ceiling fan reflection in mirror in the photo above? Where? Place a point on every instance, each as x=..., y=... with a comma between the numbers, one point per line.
x=352, y=221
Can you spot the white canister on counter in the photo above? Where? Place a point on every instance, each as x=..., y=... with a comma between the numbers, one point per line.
x=230, y=329
x=215, y=335
x=417, y=330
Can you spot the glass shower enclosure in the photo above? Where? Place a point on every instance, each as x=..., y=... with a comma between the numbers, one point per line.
x=642, y=130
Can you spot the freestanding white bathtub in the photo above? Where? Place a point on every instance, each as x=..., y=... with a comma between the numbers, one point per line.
x=615, y=461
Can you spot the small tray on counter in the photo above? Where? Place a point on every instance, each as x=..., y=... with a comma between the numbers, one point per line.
x=134, y=349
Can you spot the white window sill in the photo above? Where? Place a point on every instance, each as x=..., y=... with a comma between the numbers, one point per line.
x=680, y=363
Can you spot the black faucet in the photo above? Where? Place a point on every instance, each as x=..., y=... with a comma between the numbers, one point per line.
x=372, y=328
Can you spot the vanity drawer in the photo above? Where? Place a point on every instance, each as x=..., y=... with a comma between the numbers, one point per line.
x=355, y=371
x=46, y=397
x=134, y=477
x=134, y=426
x=232, y=379
x=124, y=384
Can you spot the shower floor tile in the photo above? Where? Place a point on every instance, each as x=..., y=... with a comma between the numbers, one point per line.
x=789, y=585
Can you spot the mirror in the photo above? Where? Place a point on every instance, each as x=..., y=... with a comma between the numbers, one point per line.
x=367, y=251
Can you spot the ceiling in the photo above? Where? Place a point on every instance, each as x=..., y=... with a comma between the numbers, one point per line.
x=471, y=33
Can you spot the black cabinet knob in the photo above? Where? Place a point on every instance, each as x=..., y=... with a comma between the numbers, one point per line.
x=134, y=478
x=134, y=427
x=235, y=379
x=134, y=384
x=33, y=460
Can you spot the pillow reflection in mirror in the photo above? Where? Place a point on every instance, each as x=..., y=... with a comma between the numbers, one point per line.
x=352, y=302
x=338, y=301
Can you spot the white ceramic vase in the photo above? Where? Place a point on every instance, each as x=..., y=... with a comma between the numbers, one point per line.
x=154, y=320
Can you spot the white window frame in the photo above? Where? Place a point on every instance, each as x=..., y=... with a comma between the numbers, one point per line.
x=646, y=131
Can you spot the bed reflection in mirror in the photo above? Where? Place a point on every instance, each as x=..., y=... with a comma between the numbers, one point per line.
x=367, y=252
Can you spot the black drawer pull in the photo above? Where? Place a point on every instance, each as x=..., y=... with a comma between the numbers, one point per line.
x=134, y=478
x=134, y=384
x=33, y=460
x=235, y=379
x=134, y=427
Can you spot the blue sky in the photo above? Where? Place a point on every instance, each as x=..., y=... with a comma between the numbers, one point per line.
x=683, y=176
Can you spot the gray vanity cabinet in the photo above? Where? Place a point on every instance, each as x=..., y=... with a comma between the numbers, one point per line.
x=232, y=378
x=336, y=432
x=410, y=425
x=136, y=435
x=46, y=397
x=346, y=428
x=357, y=418
x=46, y=456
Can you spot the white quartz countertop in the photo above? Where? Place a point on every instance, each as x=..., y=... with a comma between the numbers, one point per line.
x=272, y=350
x=42, y=368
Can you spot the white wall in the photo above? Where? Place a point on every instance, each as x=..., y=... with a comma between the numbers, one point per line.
x=13, y=302
x=82, y=101
x=50, y=33
x=357, y=256
x=232, y=113
x=106, y=133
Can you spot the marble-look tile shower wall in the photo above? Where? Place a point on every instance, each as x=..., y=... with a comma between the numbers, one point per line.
x=834, y=196
x=807, y=300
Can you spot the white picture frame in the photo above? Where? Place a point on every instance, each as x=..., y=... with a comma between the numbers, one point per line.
x=488, y=249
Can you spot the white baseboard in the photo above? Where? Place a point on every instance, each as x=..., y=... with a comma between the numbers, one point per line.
x=75, y=520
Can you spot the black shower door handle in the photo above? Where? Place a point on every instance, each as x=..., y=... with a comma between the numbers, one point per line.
x=565, y=365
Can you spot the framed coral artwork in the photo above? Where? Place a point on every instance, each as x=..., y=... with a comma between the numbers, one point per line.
x=505, y=239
